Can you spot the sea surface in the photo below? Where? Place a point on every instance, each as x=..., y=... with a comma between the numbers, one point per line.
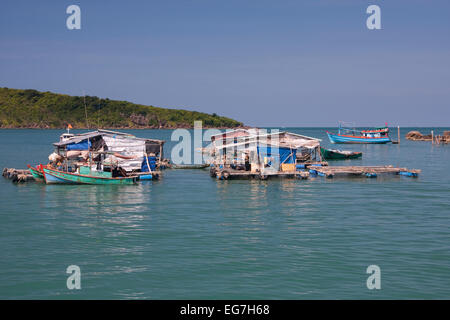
x=189, y=236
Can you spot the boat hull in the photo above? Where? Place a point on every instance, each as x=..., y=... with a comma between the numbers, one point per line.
x=55, y=176
x=54, y=179
x=335, y=138
x=37, y=175
x=336, y=155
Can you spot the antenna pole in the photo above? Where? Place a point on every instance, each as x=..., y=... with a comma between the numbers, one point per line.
x=85, y=110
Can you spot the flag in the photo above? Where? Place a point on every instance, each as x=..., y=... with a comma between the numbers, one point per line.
x=69, y=126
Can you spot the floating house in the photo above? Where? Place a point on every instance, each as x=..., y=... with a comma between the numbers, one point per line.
x=254, y=152
x=108, y=151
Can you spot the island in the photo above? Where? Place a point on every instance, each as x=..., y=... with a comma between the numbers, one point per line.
x=46, y=110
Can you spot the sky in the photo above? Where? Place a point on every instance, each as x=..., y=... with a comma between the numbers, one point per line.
x=266, y=63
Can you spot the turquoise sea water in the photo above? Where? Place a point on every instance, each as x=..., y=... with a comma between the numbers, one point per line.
x=188, y=236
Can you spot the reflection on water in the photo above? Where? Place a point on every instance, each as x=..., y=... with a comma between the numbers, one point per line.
x=92, y=199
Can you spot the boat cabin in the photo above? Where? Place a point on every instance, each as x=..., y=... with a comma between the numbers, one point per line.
x=66, y=136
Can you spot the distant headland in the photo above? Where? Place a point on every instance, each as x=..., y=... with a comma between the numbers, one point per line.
x=46, y=110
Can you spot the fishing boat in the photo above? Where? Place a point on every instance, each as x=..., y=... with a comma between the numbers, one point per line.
x=351, y=135
x=332, y=154
x=54, y=176
x=37, y=172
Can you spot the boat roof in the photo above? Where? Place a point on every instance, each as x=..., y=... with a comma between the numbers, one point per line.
x=232, y=134
x=100, y=133
x=256, y=132
x=289, y=140
x=286, y=133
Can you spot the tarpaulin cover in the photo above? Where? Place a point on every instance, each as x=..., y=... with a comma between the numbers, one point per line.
x=144, y=167
x=286, y=155
x=83, y=145
x=127, y=147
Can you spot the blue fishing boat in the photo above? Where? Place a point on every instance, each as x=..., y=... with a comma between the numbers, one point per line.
x=348, y=135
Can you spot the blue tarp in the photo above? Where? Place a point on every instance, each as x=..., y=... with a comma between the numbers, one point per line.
x=283, y=153
x=144, y=167
x=83, y=145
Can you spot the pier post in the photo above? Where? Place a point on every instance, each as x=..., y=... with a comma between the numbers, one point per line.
x=432, y=137
x=398, y=134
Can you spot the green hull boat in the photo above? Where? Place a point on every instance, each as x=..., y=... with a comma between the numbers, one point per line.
x=37, y=175
x=53, y=176
x=329, y=154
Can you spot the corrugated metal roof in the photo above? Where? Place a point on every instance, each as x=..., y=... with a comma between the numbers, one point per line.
x=99, y=133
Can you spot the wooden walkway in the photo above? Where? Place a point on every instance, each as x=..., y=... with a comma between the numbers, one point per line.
x=364, y=171
x=306, y=165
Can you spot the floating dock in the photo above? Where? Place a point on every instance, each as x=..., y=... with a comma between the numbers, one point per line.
x=17, y=175
x=227, y=173
x=361, y=171
x=306, y=165
x=316, y=170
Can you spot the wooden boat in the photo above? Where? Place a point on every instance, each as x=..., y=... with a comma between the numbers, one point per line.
x=332, y=154
x=347, y=135
x=53, y=176
x=37, y=172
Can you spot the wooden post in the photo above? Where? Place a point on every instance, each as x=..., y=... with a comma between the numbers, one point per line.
x=432, y=137
x=398, y=134
x=90, y=157
x=148, y=165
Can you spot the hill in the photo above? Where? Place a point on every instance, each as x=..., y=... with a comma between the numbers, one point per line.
x=34, y=109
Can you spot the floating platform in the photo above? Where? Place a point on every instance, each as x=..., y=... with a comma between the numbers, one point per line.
x=153, y=175
x=17, y=175
x=361, y=171
x=306, y=165
x=227, y=173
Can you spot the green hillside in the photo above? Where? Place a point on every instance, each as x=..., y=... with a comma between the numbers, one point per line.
x=34, y=109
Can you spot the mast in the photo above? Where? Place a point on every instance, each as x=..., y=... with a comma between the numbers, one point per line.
x=85, y=110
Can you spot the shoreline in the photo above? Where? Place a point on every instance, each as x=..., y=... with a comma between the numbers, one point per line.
x=192, y=127
x=123, y=128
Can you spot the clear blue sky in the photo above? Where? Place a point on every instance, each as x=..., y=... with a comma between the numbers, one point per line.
x=266, y=63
